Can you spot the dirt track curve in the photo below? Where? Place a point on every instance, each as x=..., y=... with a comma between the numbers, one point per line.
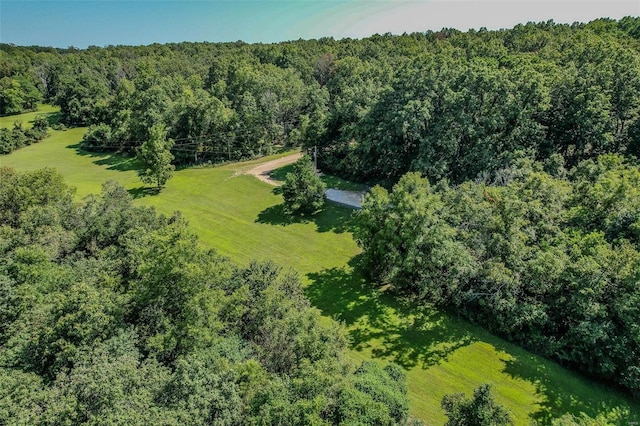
x=346, y=198
x=262, y=171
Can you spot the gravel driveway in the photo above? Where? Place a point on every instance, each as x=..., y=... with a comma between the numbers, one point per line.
x=347, y=198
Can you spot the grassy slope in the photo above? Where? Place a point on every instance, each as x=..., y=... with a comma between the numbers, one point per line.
x=27, y=118
x=240, y=217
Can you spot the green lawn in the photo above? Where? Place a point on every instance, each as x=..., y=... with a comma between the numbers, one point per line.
x=241, y=217
x=26, y=119
x=329, y=180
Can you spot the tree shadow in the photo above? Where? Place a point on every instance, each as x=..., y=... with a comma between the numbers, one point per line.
x=114, y=161
x=380, y=323
x=331, y=181
x=332, y=218
x=280, y=174
x=276, y=215
x=119, y=162
x=587, y=395
x=418, y=335
x=143, y=191
x=53, y=118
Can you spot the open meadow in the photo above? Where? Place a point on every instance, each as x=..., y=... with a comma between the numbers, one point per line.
x=242, y=218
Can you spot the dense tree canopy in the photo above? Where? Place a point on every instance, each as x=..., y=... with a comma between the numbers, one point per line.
x=110, y=313
x=446, y=104
x=549, y=259
x=515, y=204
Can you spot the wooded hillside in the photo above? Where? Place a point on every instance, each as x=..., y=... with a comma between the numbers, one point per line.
x=447, y=104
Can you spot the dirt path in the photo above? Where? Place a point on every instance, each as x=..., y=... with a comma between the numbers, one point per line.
x=262, y=171
x=347, y=198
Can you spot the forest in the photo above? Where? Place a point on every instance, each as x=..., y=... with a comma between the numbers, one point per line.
x=505, y=190
x=548, y=259
x=447, y=104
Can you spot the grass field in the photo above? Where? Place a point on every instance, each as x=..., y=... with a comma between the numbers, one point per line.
x=242, y=218
x=27, y=118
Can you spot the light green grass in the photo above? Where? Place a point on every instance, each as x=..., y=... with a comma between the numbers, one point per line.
x=444, y=354
x=27, y=118
x=241, y=217
x=83, y=170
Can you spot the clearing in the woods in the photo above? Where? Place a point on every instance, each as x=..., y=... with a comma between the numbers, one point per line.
x=242, y=217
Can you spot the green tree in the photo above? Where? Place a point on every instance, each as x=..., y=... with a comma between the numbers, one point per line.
x=17, y=95
x=156, y=157
x=303, y=191
x=111, y=314
x=406, y=242
x=481, y=410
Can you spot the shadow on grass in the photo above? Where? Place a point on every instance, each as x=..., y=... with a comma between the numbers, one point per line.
x=332, y=217
x=143, y=191
x=568, y=392
x=53, y=118
x=280, y=174
x=119, y=162
x=417, y=336
x=114, y=161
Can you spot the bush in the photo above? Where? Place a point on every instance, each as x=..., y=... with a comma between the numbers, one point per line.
x=17, y=137
x=303, y=191
x=481, y=410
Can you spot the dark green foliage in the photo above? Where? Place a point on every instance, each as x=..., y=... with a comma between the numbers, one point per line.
x=445, y=104
x=98, y=138
x=373, y=396
x=531, y=241
x=110, y=383
x=80, y=91
x=386, y=386
x=17, y=137
x=111, y=314
x=407, y=242
x=303, y=190
x=481, y=410
x=22, y=192
x=548, y=262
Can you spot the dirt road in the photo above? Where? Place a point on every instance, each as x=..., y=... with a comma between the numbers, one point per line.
x=347, y=198
x=262, y=171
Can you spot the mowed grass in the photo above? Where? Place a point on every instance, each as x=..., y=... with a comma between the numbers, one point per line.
x=85, y=171
x=26, y=119
x=241, y=217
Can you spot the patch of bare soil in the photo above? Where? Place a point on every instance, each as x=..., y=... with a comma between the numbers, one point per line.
x=262, y=171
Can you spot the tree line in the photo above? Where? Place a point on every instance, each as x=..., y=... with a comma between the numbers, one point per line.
x=547, y=257
x=519, y=211
x=447, y=104
x=18, y=137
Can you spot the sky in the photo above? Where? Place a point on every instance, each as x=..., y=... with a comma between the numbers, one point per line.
x=82, y=23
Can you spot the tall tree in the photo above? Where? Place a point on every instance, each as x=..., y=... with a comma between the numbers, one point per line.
x=303, y=191
x=156, y=157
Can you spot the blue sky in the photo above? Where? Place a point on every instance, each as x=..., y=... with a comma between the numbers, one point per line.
x=82, y=23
